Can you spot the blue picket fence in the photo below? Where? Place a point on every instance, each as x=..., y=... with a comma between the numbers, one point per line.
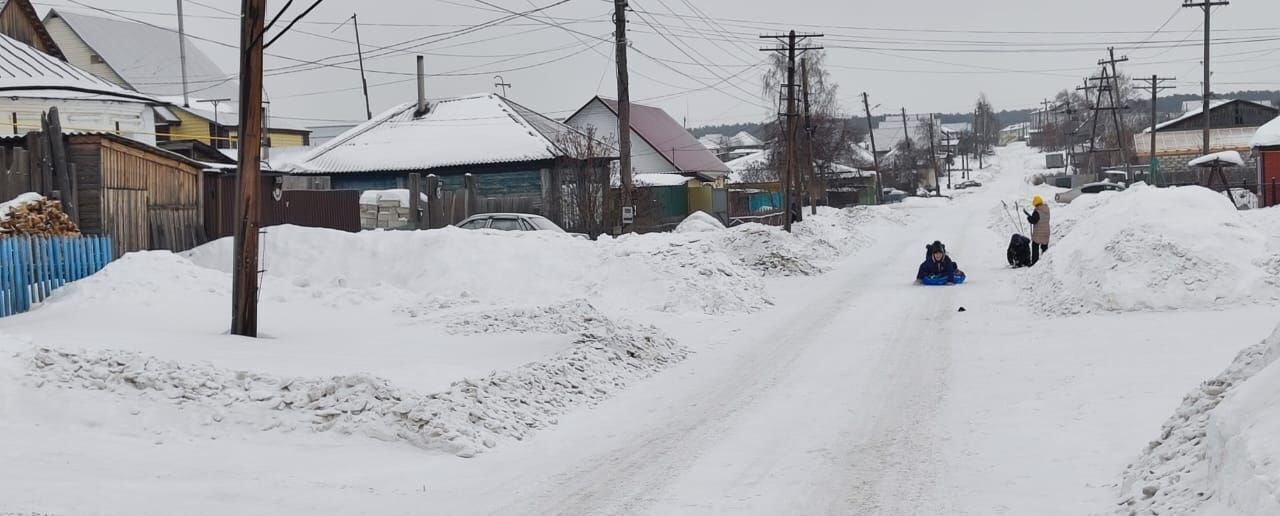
x=31, y=267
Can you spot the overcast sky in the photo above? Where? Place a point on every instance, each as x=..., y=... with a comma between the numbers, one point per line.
x=925, y=55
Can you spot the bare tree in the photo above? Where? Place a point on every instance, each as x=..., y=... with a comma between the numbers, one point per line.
x=833, y=131
x=581, y=181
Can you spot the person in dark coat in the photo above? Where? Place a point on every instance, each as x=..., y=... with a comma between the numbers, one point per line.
x=937, y=263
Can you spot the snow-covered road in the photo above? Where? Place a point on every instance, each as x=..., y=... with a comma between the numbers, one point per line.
x=862, y=393
x=857, y=392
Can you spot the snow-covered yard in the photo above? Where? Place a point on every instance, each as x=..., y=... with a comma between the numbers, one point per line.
x=738, y=371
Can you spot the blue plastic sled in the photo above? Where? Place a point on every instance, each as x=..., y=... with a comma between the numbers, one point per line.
x=957, y=279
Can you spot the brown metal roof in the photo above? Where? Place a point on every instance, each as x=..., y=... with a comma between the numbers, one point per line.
x=670, y=139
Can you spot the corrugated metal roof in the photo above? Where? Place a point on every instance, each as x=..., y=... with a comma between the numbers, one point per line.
x=25, y=71
x=472, y=130
x=148, y=59
x=670, y=139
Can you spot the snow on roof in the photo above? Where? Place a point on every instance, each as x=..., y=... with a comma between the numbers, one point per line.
x=147, y=56
x=660, y=179
x=745, y=139
x=27, y=72
x=669, y=138
x=739, y=166
x=471, y=130
x=1268, y=135
x=1017, y=127
x=1213, y=104
x=1224, y=157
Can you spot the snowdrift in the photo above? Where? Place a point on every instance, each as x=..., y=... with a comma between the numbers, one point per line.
x=1218, y=455
x=1152, y=249
x=451, y=339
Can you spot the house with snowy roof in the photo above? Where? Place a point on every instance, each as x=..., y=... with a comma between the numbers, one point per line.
x=1181, y=139
x=32, y=81
x=146, y=58
x=511, y=150
x=659, y=144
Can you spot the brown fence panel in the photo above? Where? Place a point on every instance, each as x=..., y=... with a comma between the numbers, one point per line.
x=332, y=209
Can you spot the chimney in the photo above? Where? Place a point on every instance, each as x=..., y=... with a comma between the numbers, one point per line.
x=422, y=89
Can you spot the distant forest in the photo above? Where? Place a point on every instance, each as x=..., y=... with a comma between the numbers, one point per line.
x=1166, y=104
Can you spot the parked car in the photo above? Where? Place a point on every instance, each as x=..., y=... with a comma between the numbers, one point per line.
x=513, y=222
x=1091, y=188
x=968, y=184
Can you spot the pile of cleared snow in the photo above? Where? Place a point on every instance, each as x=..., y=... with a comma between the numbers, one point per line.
x=698, y=222
x=520, y=268
x=1154, y=249
x=1218, y=454
x=473, y=414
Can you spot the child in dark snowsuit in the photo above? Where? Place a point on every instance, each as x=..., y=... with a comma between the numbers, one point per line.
x=937, y=264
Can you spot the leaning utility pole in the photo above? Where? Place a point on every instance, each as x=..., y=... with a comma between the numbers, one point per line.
x=875, y=160
x=1155, y=86
x=808, y=132
x=182, y=56
x=915, y=172
x=624, y=102
x=244, y=295
x=360, y=54
x=790, y=177
x=1208, y=6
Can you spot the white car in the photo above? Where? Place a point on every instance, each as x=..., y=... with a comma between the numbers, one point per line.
x=1091, y=188
x=513, y=222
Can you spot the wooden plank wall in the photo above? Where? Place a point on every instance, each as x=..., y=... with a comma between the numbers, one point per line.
x=172, y=198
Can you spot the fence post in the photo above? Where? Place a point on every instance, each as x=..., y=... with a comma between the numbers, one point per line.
x=469, y=192
x=415, y=201
x=1273, y=192
x=435, y=213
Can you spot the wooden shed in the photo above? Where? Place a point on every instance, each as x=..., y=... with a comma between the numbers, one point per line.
x=143, y=196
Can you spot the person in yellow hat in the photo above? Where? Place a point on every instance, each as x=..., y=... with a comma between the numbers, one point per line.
x=1039, y=220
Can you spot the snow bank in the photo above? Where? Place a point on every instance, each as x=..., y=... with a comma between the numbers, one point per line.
x=531, y=267
x=699, y=222
x=472, y=415
x=1218, y=455
x=1153, y=249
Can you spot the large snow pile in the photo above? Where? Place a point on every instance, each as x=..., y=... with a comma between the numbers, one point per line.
x=473, y=414
x=639, y=271
x=699, y=222
x=1154, y=249
x=1218, y=455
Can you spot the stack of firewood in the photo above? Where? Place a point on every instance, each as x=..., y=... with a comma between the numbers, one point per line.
x=39, y=217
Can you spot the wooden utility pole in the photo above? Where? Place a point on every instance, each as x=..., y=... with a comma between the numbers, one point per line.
x=360, y=55
x=1155, y=86
x=875, y=160
x=790, y=176
x=624, y=102
x=808, y=131
x=182, y=56
x=1116, y=101
x=933, y=158
x=1208, y=6
x=244, y=295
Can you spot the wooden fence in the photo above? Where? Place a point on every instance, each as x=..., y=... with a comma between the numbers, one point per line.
x=31, y=268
